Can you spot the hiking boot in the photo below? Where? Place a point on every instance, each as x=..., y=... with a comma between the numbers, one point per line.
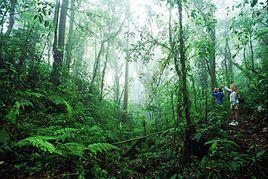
x=233, y=123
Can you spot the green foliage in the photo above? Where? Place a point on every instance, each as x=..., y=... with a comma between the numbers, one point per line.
x=15, y=111
x=40, y=142
x=101, y=147
x=74, y=129
x=57, y=100
x=52, y=145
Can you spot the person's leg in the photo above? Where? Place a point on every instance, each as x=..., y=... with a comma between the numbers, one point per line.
x=233, y=114
x=236, y=115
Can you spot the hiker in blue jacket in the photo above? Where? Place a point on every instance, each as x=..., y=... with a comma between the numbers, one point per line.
x=218, y=94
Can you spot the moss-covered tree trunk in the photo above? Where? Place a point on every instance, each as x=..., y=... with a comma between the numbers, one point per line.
x=186, y=101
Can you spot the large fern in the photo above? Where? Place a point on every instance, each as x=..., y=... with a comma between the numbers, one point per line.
x=59, y=134
x=101, y=147
x=60, y=101
x=45, y=144
x=75, y=149
x=40, y=142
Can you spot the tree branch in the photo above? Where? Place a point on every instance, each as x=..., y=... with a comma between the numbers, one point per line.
x=139, y=138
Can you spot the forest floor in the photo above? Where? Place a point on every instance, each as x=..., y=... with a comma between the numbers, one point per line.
x=252, y=136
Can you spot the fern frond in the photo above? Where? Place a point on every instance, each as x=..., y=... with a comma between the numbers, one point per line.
x=29, y=94
x=65, y=130
x=39, y=142
x=75, y=149
x=101, y=147
x=60, y=101
x=65, y=133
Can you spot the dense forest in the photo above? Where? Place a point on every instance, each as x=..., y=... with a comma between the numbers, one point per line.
x=133, y=88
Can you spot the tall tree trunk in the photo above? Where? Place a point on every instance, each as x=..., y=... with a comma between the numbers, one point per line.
x=174, y=53
x=227, y=61
x=59, y=40
x=11, y=16
x=96, y=67
x=172, y=105
x=206, y=104
x=56, y=23
x=69, y=44
x=230, y=62
x=213, y=58
x=104, y=69
x=179, y=104
x=186, y=102
x=252, y=52
x=116, y=85
x=126, y=88
x=194, y=91
x=110, y=9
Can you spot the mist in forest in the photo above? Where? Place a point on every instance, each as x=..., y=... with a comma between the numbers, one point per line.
x=133, y=88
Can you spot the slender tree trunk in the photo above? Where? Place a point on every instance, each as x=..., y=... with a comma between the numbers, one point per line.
x=116, y=85
x=213, y=58
x=49, y=48
x=126, y=87
x=104, y=69
x=179, y=108
x=194, y=91
x=172, y=105
x=144, y=127
x=125, y=101
x=11, y=16
x=184, y=85
x=110, y=9
x=206, y=104
x=56, y=24
x=252, y=52
x=244, y=55
x=59, y=41
x=156, y=122
x=183, y=66
x=69, y=44
x=225, y=63
x=97, y=64
x=176, y=63
x=230, y=62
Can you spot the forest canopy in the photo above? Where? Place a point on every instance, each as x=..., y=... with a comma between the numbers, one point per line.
x=133, y=88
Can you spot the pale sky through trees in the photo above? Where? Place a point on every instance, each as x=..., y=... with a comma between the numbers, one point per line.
x=139, y=11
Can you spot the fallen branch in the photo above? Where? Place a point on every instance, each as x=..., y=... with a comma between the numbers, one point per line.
x=139, y=138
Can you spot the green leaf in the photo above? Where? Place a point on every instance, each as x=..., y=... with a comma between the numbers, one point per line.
x=101, y=147
x=75, y=149
x=40, y=143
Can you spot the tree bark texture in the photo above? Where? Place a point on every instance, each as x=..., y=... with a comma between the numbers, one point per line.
x=59, y=41
x=186, y=102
